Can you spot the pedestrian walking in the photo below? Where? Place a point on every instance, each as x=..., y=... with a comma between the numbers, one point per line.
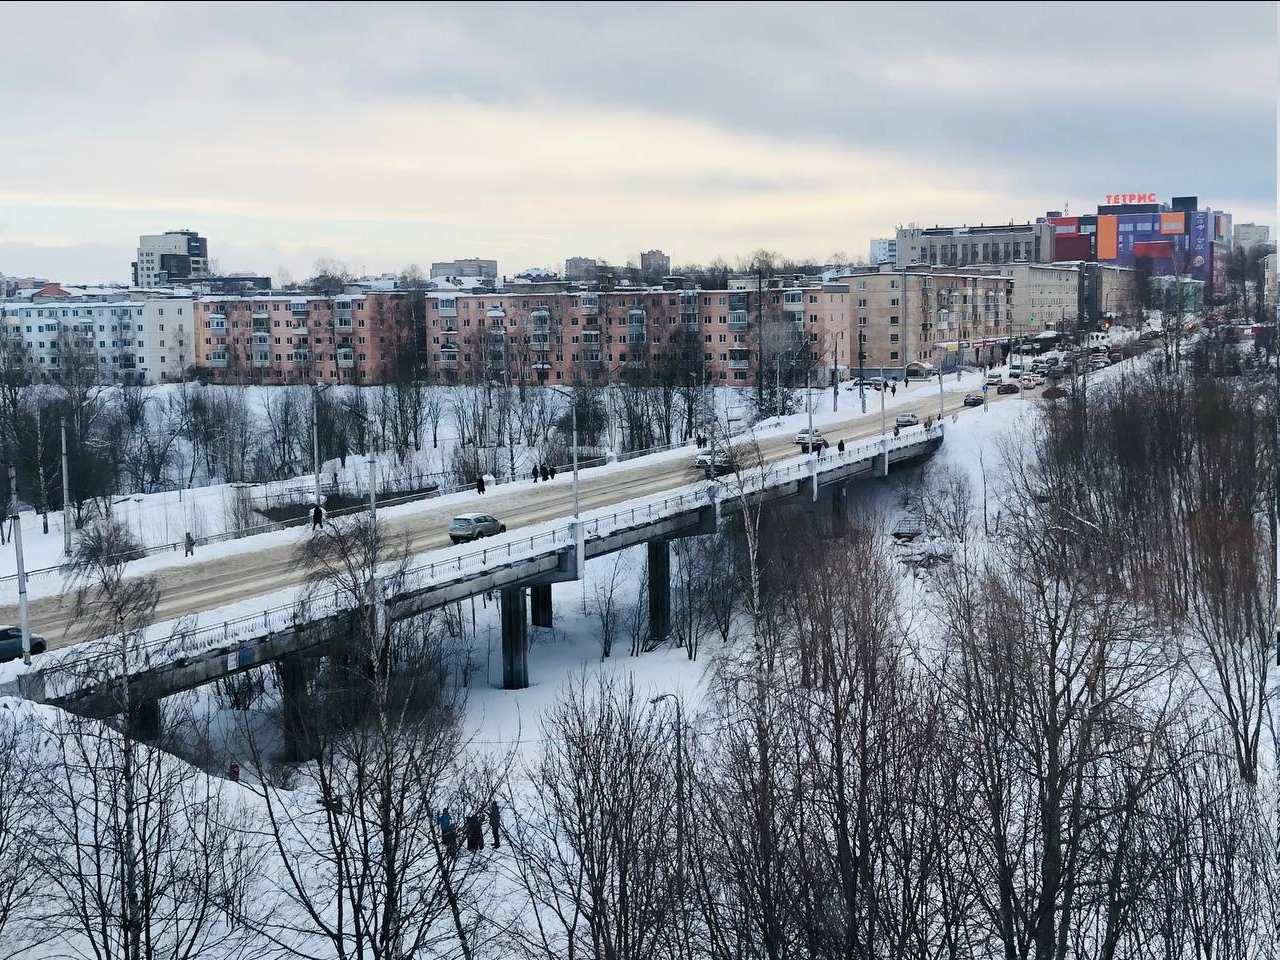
x=553, y=471
x=317, y=517
x=449, y=834
x=893, y=390
x=534, y=474
x=475, y=834
x=896, y=430
x=191, y=545
x=840, y=447
x=546, y=474
x=494, y=821
x=480, y=485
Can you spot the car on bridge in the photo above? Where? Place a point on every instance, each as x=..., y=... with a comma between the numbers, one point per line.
x=906, y=420
x=11, y=644
x=473, y=526
x=973, y=400
x=811, y=440
x=718, y=464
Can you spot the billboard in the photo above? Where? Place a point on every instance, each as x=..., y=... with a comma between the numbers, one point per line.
x=1200, y=256
x=1173, y=223
x=1107, y=237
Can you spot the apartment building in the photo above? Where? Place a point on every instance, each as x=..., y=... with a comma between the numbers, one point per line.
x=720, y=336
x=124, y=340
x=464, y=268
x=970, y=246
x=883, y=250
x=349, y=338
x=1045, y=296
x=171, y=256
x=905, y=316
x=1250, y=234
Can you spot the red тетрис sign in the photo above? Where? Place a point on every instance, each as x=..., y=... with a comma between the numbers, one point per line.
x=1131, y=198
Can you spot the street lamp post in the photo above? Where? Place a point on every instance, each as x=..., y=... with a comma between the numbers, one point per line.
x=15, y=512
x=66, y=493
x=680, y=860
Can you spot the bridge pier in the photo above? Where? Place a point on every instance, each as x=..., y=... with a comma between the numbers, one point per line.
x=659, y=589
x=515, y=639
x=299, y=728
x=540, y=604
x=143, y=720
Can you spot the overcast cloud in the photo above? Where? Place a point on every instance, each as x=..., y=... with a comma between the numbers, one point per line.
x=389, y=134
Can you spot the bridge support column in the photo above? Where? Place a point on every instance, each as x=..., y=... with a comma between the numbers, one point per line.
x=659, y=589
x=515, y=639
x=882, y=462
x=540, y=605
x=839, y=498
x=299, y=716
x=143, y=720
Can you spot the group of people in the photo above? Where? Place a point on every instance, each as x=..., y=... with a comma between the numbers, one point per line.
x=473, y=830
x=547, y=473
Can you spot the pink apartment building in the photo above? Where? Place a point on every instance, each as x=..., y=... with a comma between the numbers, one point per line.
x=299, y=339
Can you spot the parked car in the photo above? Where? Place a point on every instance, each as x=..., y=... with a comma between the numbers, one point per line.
x=1099, y=363
x=906, y=420
x=473, y=526
x=1007, y=388
x=11, y=644
x=994, y=379
x=973, y=400
x=808, y=442
x=1030, y=381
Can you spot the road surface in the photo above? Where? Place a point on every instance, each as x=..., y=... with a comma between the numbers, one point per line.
x=196, y=588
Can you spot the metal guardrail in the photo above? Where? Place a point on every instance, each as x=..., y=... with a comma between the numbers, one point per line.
x=228, y=633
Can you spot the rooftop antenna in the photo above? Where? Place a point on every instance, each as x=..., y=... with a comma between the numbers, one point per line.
x=1066, y=209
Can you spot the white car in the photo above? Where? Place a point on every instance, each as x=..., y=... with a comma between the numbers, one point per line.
x=906, y=420
x=994, y=380
x=807, y=440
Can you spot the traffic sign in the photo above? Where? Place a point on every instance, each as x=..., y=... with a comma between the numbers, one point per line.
x=984, y=388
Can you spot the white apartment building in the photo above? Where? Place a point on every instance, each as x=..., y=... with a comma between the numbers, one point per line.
x=884, y=249
x=166, y=257
x=1250, y=234
x=130, y=341
x=1045, y=295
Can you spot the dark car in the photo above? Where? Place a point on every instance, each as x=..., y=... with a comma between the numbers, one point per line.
x=11, y=643
x=1007, y=388
x=972, y=400
x=719, y=464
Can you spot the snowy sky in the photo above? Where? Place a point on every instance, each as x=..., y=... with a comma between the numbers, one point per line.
x=385, y=134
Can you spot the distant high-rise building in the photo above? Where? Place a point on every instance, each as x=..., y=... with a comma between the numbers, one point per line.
x=465, y=268
x=166, y=257
x=884, y=250
x=581, y=269
x=1250, y=234
x=654, y=263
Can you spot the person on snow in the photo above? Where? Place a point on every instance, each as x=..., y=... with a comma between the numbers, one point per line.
x=317, y=517
x=896, y=431
x=534, y=474
x=893, y=390
x=840, y=447
x=475, y=834
x=546, y=474
x=448, y=833
x=191, y=545
x=494, y=821
x=553, y=471
x=480, y=485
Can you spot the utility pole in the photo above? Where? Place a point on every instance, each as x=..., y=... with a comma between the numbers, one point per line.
x=941, y=402
x=22, y=570
x=373, y=482
x=813, y=456
x=66, y=494
x=315, y=438
x=862, y=377
x=835, y=380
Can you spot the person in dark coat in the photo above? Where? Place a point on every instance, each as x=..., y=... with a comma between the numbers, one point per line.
x=893, y=390
x=546, y=475
x=317, y=517
x=475, y=834
x=495, y=821
x=191, y=545
x=534, y=474
x=553, y=471
x=840, y=447
x=480, y=485
x=448, y=833
x=896, y=431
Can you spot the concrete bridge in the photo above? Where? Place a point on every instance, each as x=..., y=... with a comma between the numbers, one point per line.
x=522, y=569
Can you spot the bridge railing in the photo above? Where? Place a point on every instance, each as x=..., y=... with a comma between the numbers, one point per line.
x=101, y=659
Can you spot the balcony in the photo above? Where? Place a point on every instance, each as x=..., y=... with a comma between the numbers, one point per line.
x=447, y=308
x=343, y=321
x=260, y=315
x=216, y=323
x=450, y=328
x=636, y=364
x=218, y=361
x=690, y=323
x=589, y=306
x=540, y=319
x=261, y=338
x=261, y=360
x=300, y=327
x=260, y=325
x=739, y=364
x=345, y=358
x=592, y=360
x=540, y=343
x=635, y=318
x=737, y=319
x=495, y=312
x=449, y=361
x=636, y=336
x=301, y=357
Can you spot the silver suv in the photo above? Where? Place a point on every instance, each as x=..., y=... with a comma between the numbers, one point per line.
x=473, y=526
